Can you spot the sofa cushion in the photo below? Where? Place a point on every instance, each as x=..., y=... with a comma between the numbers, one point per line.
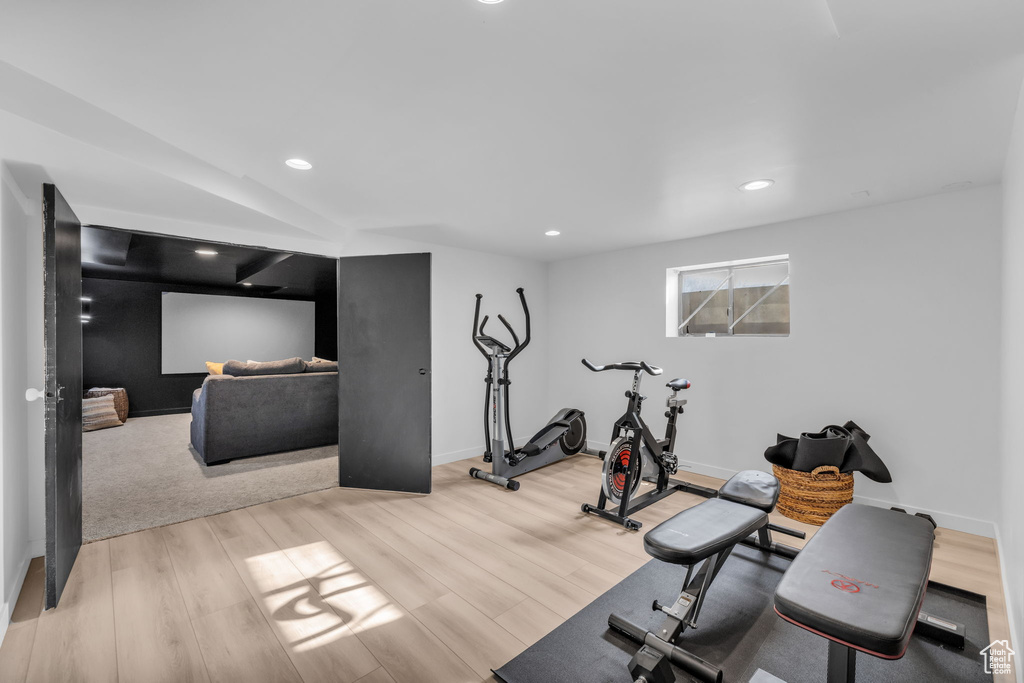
x=238, y=417
x=289, y=366
x=322, y=365
x=214, y=368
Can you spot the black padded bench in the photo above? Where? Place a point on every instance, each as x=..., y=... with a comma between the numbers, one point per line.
x=860, y=582
x=704, y=534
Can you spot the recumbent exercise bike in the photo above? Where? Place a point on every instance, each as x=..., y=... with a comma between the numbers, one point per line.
x=568, y=428
x=622, y=473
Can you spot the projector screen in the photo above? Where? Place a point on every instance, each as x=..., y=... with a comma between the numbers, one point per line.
x=196, y=328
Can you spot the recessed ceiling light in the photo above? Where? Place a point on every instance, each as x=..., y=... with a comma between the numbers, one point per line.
x=247, y=284
x=490, y=2
x=206, y=252
x=87, y=299
x=761, y=184
x=86, y=318
x=549, y=233
x=300, y=164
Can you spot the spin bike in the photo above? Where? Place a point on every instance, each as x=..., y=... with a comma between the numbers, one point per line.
x=568, y=428
x=622, y=472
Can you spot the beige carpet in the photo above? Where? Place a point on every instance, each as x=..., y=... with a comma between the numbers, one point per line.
x=146, y=474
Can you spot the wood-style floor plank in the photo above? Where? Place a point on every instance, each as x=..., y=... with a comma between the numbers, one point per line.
x=207, y=579
x=75, y=641
x=392, y=634
x=149, y=609
x=239, y=645
x=542, y=553
x=380, y=675
x=479, y=587
x=16, y=650
x=529, y=621
x=401, y=578
x=513, y=567
x=315, y=637
x=479, y=641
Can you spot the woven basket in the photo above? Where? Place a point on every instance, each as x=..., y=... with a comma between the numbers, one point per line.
x=120, y=400
x=813, y=497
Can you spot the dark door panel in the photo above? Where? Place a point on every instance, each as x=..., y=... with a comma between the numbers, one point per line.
x=62, y=304
x=384, y=372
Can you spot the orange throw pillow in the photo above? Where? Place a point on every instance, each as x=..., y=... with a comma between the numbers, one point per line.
x=215, y=368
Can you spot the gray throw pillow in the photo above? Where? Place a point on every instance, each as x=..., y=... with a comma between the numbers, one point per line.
x=322, y=365
x=289, y=366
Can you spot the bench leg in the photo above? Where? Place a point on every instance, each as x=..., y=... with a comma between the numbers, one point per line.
x=842, y=663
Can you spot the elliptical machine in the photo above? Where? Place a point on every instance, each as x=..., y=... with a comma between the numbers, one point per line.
x=657, y=462
x=568, y=427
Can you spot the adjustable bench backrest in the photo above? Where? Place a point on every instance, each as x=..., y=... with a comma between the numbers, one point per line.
x=859, y=582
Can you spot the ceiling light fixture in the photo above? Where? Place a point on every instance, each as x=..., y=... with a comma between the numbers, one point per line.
x=490, y=2
x=549, y=233
x=762, y=184
x=86, y=299
x=206, y=252
x=247, y=284
x=86, y=318
x=299, y=164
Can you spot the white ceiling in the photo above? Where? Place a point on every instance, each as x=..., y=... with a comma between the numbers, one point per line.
x=618, y=122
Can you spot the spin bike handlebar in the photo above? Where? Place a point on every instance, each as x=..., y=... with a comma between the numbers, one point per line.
x=631, y=365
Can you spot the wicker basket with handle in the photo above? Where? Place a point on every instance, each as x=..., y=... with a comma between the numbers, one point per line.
x=120, y=399
x=813, y=497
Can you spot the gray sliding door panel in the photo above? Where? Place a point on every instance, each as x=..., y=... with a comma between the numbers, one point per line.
x=384, y=372
x=62, y=335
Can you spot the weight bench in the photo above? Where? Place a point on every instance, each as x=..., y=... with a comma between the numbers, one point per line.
x=704, y=534
x=860, y=582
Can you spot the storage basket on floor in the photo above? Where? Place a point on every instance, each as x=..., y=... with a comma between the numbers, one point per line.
x=120, y=399
x=813, y=497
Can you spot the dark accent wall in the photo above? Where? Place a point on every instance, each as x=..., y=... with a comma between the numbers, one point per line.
x=121, y=343
x=326, y=320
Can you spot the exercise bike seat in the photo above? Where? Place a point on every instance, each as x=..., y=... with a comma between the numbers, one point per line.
x=703, y=530
x=678, y=384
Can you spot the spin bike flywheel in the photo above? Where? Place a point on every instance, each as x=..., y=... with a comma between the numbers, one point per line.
x=616, y=466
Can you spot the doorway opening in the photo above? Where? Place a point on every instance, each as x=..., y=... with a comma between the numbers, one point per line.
x=210, y=378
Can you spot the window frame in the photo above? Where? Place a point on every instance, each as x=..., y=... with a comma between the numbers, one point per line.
x=730, y=267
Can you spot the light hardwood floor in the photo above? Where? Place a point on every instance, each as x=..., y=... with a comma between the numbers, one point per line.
x=362, y=587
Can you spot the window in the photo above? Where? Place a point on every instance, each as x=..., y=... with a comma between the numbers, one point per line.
x=735, y=298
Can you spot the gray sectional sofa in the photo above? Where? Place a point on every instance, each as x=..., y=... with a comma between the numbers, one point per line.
x=237, y=417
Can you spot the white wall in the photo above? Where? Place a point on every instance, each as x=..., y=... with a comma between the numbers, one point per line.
x=1011, y=470
x=895, y=325
x=15, y=210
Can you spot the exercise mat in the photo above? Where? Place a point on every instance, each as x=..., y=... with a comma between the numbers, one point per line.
x=844, y=447
x=738, y=631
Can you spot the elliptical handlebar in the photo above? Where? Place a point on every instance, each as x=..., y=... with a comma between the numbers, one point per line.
x=630, y=365
x=526, y=341
x=479, y=330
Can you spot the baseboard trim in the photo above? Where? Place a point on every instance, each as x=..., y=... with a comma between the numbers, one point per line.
x=1011, y=613
x=11, y=599
x=455, y=456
